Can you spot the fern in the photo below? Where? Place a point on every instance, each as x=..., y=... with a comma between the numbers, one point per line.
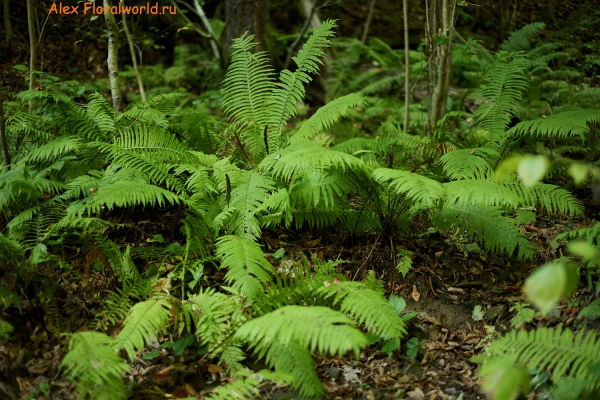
x=144, y=320
x=519, y=40
x=248, y=268
x=591, y=311
x=291, y=90
x=367, y=307
x=487, y=225
x=420, y=189
x=469, y=163
x=93, y=362
x=556, y=350
x=564, y=125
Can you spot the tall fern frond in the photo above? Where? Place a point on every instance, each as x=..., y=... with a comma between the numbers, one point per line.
x=247, y=88
x=290, y=90
x=503, y=89
x=144, y=321
x=93, y=363
x=249, y=270
x=520, y=40
x=590, y=235
x=326, y=116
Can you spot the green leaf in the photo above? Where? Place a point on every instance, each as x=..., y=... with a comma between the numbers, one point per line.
x=478, y=313
x=532, y=169
x=180, y=345
x=578, y=172
x=398, y=302
x=412, y=347
x=151, y=355
x=439, y=40
x=390, y=346
x=503, y=380
x=507, y=168
x=95, y=17
x=549, y=283
x=279, y=253
x=39, y=254
x=20, y=67
x=372, y=338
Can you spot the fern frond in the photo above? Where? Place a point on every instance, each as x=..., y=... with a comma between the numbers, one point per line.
x=145, y=320
x=93, y=362
x=590, y=235
x=315, y=328
x=418, y=188
x=249, y=270
x=294, y=359
x=556, y=350
x=551, y=197
x=469, y=163
x=520, y=40
x=123, y=194
x=573, y=123
x=10, y=250
x=503, y=89
x=326, y=116
x=290, y=90
x=480, y=191
x=487, y=225
x=367, y=307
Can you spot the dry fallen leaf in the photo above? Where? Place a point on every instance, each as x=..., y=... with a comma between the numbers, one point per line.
x=164, y=373
x=415, y=293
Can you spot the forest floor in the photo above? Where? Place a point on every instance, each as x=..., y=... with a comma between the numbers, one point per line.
x=444, y=287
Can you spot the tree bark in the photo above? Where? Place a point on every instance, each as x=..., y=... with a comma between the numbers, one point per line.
x=439, y=97
x=133, y=57
x=7, y=27
x=363, y=39
x=208, y=27
x=113, y=65
x=407, y=94
x=247, y=15
x=32, y=47
x=3, y=145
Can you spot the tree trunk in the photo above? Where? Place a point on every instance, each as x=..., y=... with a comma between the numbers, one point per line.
x=3, y=145
x=133, y=57
x=7, y=28
x=363, y=39
x=208, y=27
x=439, y=97
x=32, y=47
x=407, y=94
x=113, y=66
x=247, y=15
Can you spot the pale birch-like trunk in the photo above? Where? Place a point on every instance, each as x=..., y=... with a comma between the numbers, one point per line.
x=208, y=27
x=113, y=65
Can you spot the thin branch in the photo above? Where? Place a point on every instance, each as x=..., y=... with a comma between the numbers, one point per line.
x=363, y=39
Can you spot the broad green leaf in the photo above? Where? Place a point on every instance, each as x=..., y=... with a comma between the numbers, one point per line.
x=503, y=380
x=532, y=169
x=578, y=172
x=549, y=283
x=507, y=167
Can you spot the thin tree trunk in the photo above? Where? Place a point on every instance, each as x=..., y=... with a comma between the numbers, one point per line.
x=208, y=27
x=113, y=65
x=363, y=39
x=439, y=98
x=133, y=57
x=407, y=94
x=296, y=43
x=7, y=27
x=32, y=47
x=247, y=15
x=3, y=145
x=306, y=8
